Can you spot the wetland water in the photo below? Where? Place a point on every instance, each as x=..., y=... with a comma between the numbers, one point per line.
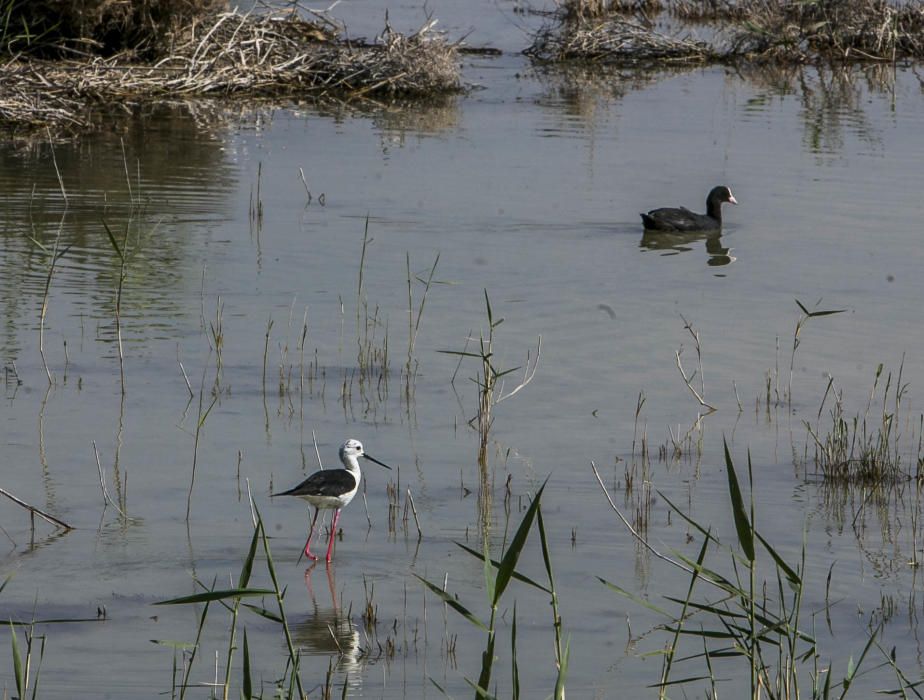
x=530, y=188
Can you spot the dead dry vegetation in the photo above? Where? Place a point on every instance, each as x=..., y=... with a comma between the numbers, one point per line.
x=782, y=31
x=615, y=40
x=213, y=54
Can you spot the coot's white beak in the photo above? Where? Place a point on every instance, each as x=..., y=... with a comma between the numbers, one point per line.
x=731, y=198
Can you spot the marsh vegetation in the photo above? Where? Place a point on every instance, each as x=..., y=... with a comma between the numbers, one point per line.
x=618, y=466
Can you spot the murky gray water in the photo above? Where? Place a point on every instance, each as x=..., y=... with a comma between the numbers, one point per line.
x=530, y=189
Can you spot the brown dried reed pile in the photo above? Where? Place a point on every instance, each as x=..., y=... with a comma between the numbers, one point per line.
x=614, y=40
x=786, y=31
x=236, y=54
x=794, y=31
x=65, y=28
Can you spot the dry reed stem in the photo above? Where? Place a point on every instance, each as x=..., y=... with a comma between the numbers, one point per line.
x=35, y=511
x=102, y=483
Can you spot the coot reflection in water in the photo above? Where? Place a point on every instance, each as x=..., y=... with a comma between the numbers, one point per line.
x=674, y=242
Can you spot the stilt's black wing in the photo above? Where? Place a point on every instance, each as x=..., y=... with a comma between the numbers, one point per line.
x=327, y=482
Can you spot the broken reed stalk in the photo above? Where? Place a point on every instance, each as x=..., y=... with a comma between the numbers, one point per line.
x=301, y=360
x=36, y=511
x=414, y=511
x=269, y=327
x=102, y=483
x=189, y=388
x=53, y=257
x=639, y=403
x=414, y=326
x=122, y=253
x=200, y=422
x=688, y=379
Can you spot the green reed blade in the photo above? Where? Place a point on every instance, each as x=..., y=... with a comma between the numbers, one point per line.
x=489, y=580
x=232, y=593
x=263, y=612
x=742, y=523
x=692, y=522
x=509, y=561
x=634, y=598
x=115, y=243
x=439, y=687
x=487, y=662
x=173, y=643
x=453, y=603
x=246, y=682
x=518, y=576
x=18, y=671
x=679, y=681
x=791, y=575
x=38, y=669
x=563, y=671
x=479, y=691
x=515, y=669
x=251, y=556
x=852, y=667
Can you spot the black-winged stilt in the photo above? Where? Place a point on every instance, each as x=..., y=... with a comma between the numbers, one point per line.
x=332, y=489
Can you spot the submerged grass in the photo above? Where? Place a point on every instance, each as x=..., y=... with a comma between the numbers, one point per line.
x=869, y=449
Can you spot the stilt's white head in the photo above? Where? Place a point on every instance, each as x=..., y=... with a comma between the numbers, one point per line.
x=351, y=451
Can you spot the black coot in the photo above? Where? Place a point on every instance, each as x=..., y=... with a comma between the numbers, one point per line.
x=682, y=219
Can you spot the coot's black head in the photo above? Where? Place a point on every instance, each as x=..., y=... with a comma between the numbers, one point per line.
x=721, y=194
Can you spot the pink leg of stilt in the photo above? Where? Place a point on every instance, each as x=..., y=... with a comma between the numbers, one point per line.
x=310, y=535
x=333, y=532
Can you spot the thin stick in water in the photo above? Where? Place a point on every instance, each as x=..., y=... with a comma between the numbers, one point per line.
x=35, y=511
x=414, y=511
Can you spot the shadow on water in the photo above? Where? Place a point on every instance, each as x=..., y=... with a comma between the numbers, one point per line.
x=673, y=243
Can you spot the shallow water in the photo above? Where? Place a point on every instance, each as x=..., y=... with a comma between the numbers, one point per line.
x=529, y=188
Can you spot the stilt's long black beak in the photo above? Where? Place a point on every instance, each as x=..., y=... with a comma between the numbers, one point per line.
x=373, y=459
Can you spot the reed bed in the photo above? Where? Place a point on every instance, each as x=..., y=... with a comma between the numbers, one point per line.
x=235, y=54
x=62, y=28
x=874, y=448
x=797, y=32
x=615, y=40
x=780, y=31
